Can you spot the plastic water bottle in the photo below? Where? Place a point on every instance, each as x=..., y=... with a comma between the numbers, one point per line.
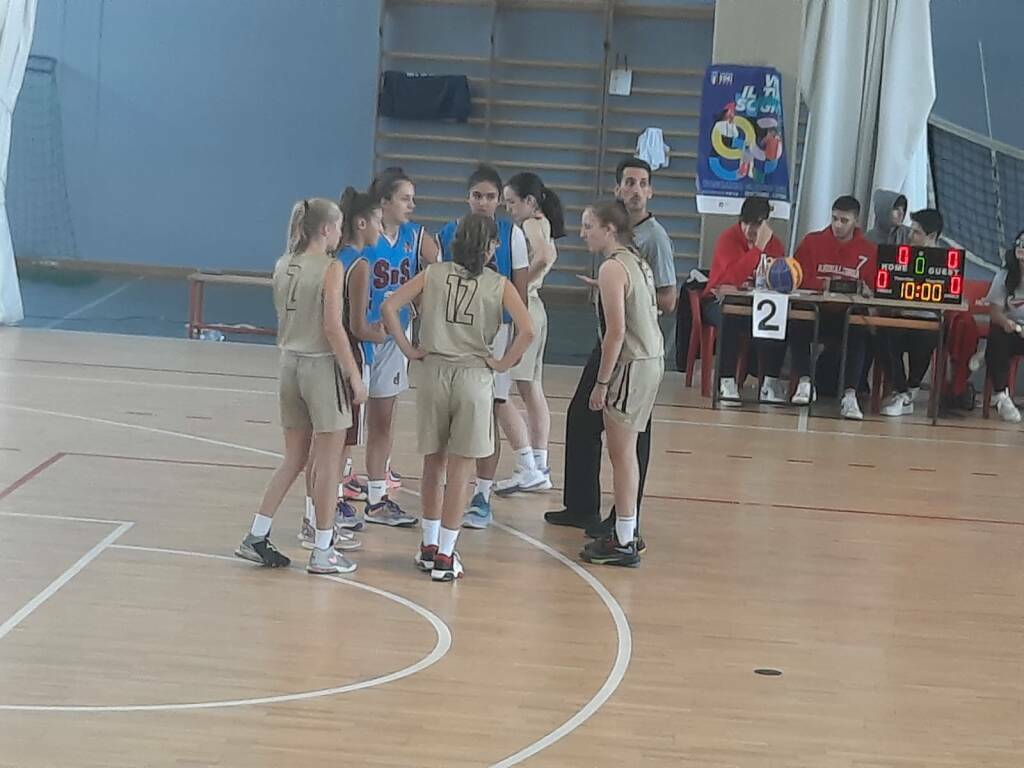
x=209, y=334
x=761, y=276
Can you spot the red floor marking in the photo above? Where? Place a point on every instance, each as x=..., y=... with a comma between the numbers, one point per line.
x=184, y=462
x=835, y=510
x=142, y=368
x=31, y=475
x=256, y=421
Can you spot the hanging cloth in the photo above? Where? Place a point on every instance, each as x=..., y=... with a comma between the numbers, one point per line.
x=411, y=96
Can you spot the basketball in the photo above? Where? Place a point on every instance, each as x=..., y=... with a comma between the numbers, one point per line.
x=785, y=275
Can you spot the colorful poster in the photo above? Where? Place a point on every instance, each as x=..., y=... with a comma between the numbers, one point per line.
x=741, y=149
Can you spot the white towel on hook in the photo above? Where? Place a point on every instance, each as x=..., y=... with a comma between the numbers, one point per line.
x=651, y=147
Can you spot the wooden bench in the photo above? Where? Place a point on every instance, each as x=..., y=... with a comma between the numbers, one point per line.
x=196, y=287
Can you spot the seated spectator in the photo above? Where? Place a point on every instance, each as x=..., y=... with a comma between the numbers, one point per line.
x=890, y=211
x=737, y=253
x=838, y=251
x=1006, y=331
x=925, y=228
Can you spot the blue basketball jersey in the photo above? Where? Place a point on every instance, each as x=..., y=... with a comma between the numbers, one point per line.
x=348, y=256
x=502, y=263
x=391, y=265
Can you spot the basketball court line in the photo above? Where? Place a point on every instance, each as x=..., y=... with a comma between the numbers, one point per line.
x=623, y=652
x=623, y=630
x=29, y=608
x=440, y=649
x=796, y=428
x=94, y=303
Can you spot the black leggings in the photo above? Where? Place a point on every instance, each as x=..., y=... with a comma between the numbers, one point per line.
x=583, y=428
x=1001, y=347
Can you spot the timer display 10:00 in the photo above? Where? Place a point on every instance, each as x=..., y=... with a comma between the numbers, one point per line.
x=920, y=274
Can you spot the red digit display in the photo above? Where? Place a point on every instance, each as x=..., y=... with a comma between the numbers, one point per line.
x=903, y=255
x=956, y=285
x=953, y=258
x=882, y=280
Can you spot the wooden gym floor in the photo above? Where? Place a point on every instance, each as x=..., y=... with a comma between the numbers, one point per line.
x=877, y=566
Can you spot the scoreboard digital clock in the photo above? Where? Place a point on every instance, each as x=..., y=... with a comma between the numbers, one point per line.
x=924, y=275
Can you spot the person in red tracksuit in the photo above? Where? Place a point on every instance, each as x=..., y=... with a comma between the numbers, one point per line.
x=840, y=251
x=737, y=253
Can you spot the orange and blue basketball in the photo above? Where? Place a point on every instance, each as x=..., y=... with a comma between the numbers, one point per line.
x=785, y=275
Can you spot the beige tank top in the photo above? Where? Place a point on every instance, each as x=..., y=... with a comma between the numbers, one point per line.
x=543, y=228
x=460, y=314
x=643, y=339
x=299, y=300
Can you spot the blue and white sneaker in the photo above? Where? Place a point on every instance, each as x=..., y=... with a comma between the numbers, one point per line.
x=478, y=515
x=347, y=517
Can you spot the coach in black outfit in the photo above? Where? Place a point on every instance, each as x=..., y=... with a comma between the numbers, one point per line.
x=583, y=427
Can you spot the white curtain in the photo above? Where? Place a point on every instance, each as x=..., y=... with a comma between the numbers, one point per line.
x=866, y=75
x=18, y=21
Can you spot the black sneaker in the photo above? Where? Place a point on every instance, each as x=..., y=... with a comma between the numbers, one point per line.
x=608, y=551
x=601, y=528
x=570, y=519
x=262, y=551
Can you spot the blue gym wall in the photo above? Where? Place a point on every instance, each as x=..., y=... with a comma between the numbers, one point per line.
x=190, y=126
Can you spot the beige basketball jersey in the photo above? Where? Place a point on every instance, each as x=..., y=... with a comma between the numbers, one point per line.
x=299, y=300
x=643, y=338
x=543, y=226
x=460, y=313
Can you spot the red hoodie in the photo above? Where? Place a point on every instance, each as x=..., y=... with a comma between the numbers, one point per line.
x=735, y=260
x=821, y=256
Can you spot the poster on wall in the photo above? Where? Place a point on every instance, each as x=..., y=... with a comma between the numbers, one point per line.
x=741, y=149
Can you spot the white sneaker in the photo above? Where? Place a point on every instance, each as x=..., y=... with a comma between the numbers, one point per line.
x=523, y=481
x=328, y=561
x=728, y=392
x=803, y=394
x=1004, y=404
x=771, y=391
x=898, y=404
x=849, y=408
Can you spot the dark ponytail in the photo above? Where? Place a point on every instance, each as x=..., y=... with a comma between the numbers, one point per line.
x=386, y=183
x=472, y=242
x=355, y=205
x=1012, y=266
x=613, y=213
x=527, y=184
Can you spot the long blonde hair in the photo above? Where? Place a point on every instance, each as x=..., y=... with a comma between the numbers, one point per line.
x=305, y=222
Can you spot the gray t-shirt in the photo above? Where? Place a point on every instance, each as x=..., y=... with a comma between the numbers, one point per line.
x=654, y=245
x=1013, y=305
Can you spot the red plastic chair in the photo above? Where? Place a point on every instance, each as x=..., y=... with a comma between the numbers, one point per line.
x=702, y=344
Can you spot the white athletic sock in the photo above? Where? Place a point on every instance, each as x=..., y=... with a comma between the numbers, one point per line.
x=341, y=490
x=431, y=531
x=261, y=526
x=310, y=511
x=625, y=529
x=483, y=487
x=323, y=538
x=387, y=467
x=348, y=467
x=447, y=538
x=376, y=490
x=541, y=457
x=525, y=460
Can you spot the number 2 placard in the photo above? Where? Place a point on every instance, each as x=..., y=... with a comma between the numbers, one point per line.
x=771, y=310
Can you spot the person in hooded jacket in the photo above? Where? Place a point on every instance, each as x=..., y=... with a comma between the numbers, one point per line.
x=890, y=213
